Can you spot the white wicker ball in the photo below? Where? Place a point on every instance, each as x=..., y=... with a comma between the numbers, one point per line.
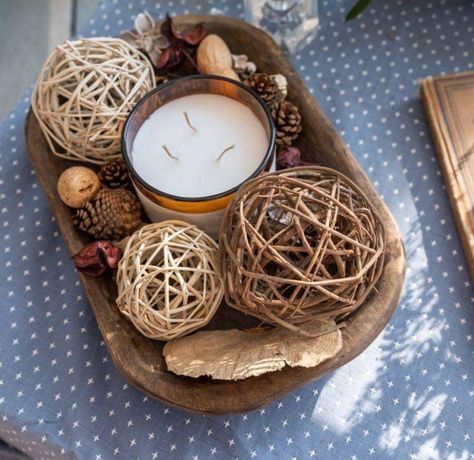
x=168, y=280
x=84, y=93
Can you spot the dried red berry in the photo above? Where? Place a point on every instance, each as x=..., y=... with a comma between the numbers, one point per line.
x=95, y=258
x=289, y=157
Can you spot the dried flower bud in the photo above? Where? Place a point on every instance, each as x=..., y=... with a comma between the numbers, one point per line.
x=289, y=157
x=244, y=68
x=144, y=23
x=146, y=36
x=282, y=84
x=95, y=258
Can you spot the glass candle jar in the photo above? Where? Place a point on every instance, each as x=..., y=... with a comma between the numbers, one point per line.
x=190, y=144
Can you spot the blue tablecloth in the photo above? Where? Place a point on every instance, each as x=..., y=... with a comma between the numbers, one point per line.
x=410, y=395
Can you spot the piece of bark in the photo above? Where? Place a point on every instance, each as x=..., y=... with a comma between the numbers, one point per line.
x=235, y=354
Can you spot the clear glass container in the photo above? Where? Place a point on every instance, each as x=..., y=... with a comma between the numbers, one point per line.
x=292, y=23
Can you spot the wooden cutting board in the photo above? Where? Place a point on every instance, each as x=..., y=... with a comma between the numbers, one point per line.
x=449, y=106
x=140, y=359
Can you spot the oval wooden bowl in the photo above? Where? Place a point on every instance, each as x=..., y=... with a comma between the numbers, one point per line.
x=140, y=359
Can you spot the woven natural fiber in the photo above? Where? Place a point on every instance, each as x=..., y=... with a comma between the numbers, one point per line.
x=84, y=94
x=299, y=245
x=168, y=283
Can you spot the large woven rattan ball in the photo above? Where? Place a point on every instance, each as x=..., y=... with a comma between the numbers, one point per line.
x=84, y=94
x=299, y=245
x=168, y=283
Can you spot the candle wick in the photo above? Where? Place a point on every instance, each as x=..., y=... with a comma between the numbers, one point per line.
x=224, y=152
x=167, y=151
x=188, y=121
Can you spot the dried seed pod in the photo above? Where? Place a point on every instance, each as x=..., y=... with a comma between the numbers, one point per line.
x=289, y=157
x=95, y=258
x=77, y=185
x=214, y=57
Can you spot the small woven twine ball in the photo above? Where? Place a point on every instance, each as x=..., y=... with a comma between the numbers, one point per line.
x=84, y=93
x=168, y=283
x=299, y=245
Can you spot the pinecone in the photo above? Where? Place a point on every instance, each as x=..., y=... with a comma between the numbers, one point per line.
x=287, y=122
x=111, y=215
x=266, y=87
x=115, y=175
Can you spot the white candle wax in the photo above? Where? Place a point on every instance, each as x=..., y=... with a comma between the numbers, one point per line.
x=220, y=122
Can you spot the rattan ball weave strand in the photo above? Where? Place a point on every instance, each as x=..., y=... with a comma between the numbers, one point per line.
x=167, y=280
x=299, y=245
x=84, y=93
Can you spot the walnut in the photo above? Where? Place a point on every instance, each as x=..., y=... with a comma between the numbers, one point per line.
x=77, y=185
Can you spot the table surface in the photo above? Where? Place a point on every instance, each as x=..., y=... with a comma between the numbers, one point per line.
x=410, y=395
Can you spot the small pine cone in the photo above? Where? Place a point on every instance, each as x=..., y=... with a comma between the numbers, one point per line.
x=288, y=123
x=111, y=215
x=266, y=87
x=115, y=175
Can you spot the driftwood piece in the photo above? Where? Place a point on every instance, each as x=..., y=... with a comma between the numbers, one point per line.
x=234, y=354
